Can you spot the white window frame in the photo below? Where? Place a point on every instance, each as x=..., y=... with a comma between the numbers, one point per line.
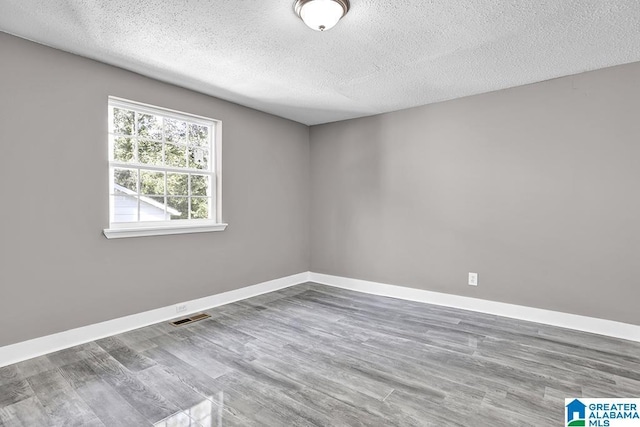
x=182, y=226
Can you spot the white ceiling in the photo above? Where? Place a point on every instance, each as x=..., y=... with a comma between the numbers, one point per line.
x=383, y=56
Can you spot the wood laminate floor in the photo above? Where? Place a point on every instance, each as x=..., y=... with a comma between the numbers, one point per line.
x=311, y=355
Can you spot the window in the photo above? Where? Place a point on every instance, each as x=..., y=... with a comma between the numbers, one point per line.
x=164, y=171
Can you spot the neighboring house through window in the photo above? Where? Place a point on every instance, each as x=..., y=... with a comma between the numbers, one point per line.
x=163, y=171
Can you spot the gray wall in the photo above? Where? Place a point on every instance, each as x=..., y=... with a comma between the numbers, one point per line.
x=535, y=188
x=57, y=271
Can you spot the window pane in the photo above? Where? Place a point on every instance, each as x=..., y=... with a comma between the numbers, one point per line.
x=150, y=126
x=123, y=150
x=152, y=208
x=198, y=158
x=199, y=135
x=175, y=131
x=178, y=207
x=125, y=179
x=200, y=207
x=178, y=184
x=152, y=183
x=175, y=155
x=149, y=152
x=199, y=185
x=122, y=121
x=125, y=207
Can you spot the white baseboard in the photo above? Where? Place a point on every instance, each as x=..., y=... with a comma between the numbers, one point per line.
x=565, y=320
x=48, y=344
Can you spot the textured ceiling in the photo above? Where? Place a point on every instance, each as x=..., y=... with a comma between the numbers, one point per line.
x=383, y=56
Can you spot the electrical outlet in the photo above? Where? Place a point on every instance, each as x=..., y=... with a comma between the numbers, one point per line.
x=181, y=308
x=473, y=279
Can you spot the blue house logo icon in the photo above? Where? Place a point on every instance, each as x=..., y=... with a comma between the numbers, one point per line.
x=576, y=413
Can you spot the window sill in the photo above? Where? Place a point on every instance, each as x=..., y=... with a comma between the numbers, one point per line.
x=119, y=233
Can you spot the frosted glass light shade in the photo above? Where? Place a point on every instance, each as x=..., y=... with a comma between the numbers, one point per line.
x=321, y=15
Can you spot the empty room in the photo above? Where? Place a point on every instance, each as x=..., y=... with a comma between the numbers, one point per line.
x=319, y=213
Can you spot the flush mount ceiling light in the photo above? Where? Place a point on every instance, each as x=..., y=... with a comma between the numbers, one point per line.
x=321, y=15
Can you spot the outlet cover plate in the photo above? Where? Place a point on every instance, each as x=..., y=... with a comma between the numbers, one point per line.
x=473, y=279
